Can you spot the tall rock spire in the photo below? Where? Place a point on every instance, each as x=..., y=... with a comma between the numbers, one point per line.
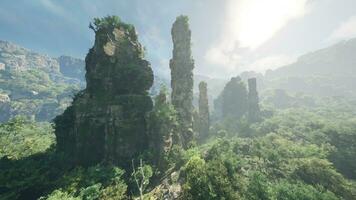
x=253, y=107
x=204, y=118
x=182, y=65
x=106, y=121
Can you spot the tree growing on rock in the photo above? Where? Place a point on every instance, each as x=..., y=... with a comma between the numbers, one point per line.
x=162, y=129
x=106, y=121
x=182, y=65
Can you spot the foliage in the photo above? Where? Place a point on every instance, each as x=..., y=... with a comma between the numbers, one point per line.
x=162, y=123
x=304, y=149
x=141, y=175
x=109, y=23
x=97, y=182
x=59, y=195
x=21, y=137
x=264, y=168
x=35, y=93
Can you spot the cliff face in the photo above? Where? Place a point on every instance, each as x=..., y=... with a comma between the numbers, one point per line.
x=13, y=57
x=106, y=121
x=204, y=116
x=35, y=84
x=182, y=65
x=72, y=67
x=253, y=107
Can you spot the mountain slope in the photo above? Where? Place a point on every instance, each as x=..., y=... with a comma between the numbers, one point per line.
x=336, y=60
x=34, y=84
x=327, y=72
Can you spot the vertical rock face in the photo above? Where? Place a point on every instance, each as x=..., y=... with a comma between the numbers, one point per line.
x=204, y=118
x=182, y=65
x=253, y=107
x=5, y=107
x=72, y=67
x=162, y=126
x=234, y=99
x=106, y=121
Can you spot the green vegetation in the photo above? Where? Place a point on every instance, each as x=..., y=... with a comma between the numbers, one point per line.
x=113, y=143
x=35, y=94
x=296, y=154
x=21, y=137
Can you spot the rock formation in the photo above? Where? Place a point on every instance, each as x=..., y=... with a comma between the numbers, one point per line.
x=253, y=107
x=4, y=107
x=204, y=118
x=16, y=58
x=234, y=99
x=182, y=65
x=35, y=83
x=106, y=121
x=72, y=67
x=162, y=129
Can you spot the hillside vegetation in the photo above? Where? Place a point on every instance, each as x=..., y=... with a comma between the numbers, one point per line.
x=117, y=139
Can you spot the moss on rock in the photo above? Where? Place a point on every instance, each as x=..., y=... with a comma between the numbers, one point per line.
x=107, y=120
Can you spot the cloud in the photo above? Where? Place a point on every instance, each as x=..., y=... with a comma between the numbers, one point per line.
x=346, y=30
x=52, y=7
x=248, y=24
x=227, y=59
x=56, y=9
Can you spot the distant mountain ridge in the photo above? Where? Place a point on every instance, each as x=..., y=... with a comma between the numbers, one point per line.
x=17, y=58
x=14, y=57
x=39, y=86
x=336, y=60
x=36, y=85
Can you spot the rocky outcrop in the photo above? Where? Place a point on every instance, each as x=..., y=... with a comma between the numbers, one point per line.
x=204, y=116
x=34, y=83
x=232, y=102
x=162, y=130
x=106, y=121
x=72, y=67
x=5, y=107
x=182, y=65
x=17, y=58
x=253, y=107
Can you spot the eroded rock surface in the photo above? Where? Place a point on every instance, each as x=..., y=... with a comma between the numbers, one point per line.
x=182, y=65
x=106, y=121
x=204, y=116
x=253, y=107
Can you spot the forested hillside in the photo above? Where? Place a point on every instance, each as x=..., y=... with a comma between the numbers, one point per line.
x=196, y=138
x=36, y=85
x=325, y=72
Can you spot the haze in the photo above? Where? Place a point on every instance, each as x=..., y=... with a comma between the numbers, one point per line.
x=229, y=36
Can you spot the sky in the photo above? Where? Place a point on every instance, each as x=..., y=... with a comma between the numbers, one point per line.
x=228, y=36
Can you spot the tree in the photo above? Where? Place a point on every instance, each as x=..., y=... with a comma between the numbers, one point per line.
x=141, y=175
x=162, y=125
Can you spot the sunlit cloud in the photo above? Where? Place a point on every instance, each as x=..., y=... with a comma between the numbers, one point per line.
x=249, y=24
x=227, y=59
x=346, y=30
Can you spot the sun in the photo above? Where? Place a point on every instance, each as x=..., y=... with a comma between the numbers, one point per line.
x=253, y=22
